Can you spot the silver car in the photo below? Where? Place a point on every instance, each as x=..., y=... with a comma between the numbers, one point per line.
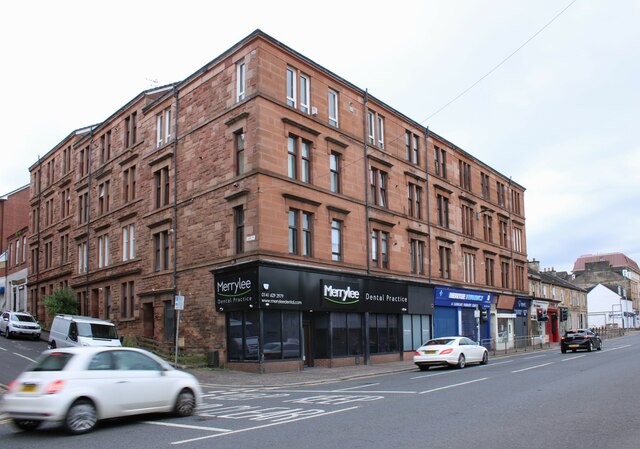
x=19, y=323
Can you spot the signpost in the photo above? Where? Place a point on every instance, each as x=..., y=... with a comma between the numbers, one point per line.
x=178, y=306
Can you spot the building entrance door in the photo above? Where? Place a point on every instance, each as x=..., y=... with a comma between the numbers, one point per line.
x=306, y=348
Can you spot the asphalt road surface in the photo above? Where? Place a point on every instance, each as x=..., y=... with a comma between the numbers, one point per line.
x=536, y=400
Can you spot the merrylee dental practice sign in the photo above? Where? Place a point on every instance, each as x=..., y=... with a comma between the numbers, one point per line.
x=267, y=287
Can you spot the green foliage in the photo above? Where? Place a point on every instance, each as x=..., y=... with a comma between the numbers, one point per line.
x=61, y=301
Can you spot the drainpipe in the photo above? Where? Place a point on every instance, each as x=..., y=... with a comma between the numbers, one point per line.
x=86, y=266
x=366, y=212
x=37, y=264
x=426, y=172
x=175, y=194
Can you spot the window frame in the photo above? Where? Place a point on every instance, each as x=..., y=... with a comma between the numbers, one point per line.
x=333, y=108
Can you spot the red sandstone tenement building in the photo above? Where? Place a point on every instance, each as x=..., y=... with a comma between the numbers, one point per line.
x=304, y=221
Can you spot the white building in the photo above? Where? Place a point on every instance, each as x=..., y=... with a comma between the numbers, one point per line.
x=609, y=306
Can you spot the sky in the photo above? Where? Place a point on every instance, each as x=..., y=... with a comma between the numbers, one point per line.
x=551, y=94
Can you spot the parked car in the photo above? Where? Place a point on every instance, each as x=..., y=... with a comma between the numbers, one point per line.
x=19, y=323
x=81, y=385
x=575, y=339
x=454, y=351
x=75, y=330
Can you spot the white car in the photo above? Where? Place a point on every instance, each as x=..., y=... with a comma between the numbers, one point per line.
x=19, y=323
x=80, y=386
x=456, y=351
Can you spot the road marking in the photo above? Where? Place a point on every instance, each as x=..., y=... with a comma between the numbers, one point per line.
x=359, y=386
x=532, y=367
x=534, y=357
x=263, y=426
x=453, y=386
x=501, y=363
x=186, y=426
x=616, y=348
x=574, y=357
x=332, y=399
x=3, y=349
x=440, y=373
x=359, y=392
x=24, y=357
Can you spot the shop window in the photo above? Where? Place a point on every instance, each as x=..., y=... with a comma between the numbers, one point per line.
x=281, y=335
x=242, y=335
x=416, y=331
x=383, y=333
x=346, y=334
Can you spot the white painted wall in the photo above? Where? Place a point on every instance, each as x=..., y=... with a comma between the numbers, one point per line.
x=607, y=307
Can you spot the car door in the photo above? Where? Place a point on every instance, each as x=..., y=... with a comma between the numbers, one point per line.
x=143, y=384
x=4, y=322
x=474, y=353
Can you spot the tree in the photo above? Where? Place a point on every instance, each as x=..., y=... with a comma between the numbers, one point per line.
x=62, y=300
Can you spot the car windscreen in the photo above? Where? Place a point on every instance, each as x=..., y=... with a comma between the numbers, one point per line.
x=440, y=341
x=55, y=361
x=26, y=318
x=96, y=330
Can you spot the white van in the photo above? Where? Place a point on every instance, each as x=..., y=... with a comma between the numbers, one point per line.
x=74, y=330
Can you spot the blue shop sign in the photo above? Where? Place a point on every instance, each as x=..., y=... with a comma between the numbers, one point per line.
x=521, y=307
x=452, y=297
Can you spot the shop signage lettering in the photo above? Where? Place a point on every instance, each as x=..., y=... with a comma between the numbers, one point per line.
x=234, y=288
x=341, y=295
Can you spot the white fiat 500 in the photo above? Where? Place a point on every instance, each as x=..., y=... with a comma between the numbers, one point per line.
x=80, y=386
x=455, y=351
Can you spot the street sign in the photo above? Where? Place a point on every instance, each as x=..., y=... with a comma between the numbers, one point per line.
x=179, y=302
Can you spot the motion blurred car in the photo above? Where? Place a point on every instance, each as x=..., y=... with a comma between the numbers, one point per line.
x=450, y=351
x=575, y=339
x=79, y=386
x=19, y=323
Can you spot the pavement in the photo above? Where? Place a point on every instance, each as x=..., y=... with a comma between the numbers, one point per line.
x=309, y=376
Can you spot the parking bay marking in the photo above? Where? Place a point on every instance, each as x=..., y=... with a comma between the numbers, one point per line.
x=263, y=426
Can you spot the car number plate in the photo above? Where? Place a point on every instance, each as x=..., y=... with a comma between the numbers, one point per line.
x=28, y=388
x=573, y=346
x=428, y=352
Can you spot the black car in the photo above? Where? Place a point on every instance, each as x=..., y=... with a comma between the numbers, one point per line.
x=580, y=339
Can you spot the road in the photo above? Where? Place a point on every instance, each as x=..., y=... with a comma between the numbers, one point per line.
x=543, y=399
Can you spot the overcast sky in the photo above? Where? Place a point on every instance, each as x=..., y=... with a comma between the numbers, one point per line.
x=560, y=116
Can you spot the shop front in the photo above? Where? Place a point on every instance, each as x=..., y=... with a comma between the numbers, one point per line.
x=282, y=318
x=521, y=310
x=462, y=312
x=505, y=322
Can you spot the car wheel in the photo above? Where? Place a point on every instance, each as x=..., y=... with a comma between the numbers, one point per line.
x=52, y=344
x=462, y=361
x=81, y=417
x=590, y=348
x=562, y=350
x=7, y=334
x=485, y=358
x=599, y=345
x=423, y=367
x=185, y=404
x=27, y=424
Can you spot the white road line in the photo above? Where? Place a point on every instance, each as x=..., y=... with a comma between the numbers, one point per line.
x=574, y=357
x=534, y=357
x=262, y=427
x=616, y=348
x=440, y=373
x=501, y=363
x=355, y=388
x=453, y=386
x=532, y=367
x=2, y=349
x=358, y=392
x=186, y=426
x=24, y=357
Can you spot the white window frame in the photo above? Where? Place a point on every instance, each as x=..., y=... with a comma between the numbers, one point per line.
x=159, y=130
x=305, y=94
x=332, y=97
x=103, y=251
x=381, y=132
x=241, y=80
x=83, y=257
x=290, y=84
x=372, y=133
x=128, y=242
